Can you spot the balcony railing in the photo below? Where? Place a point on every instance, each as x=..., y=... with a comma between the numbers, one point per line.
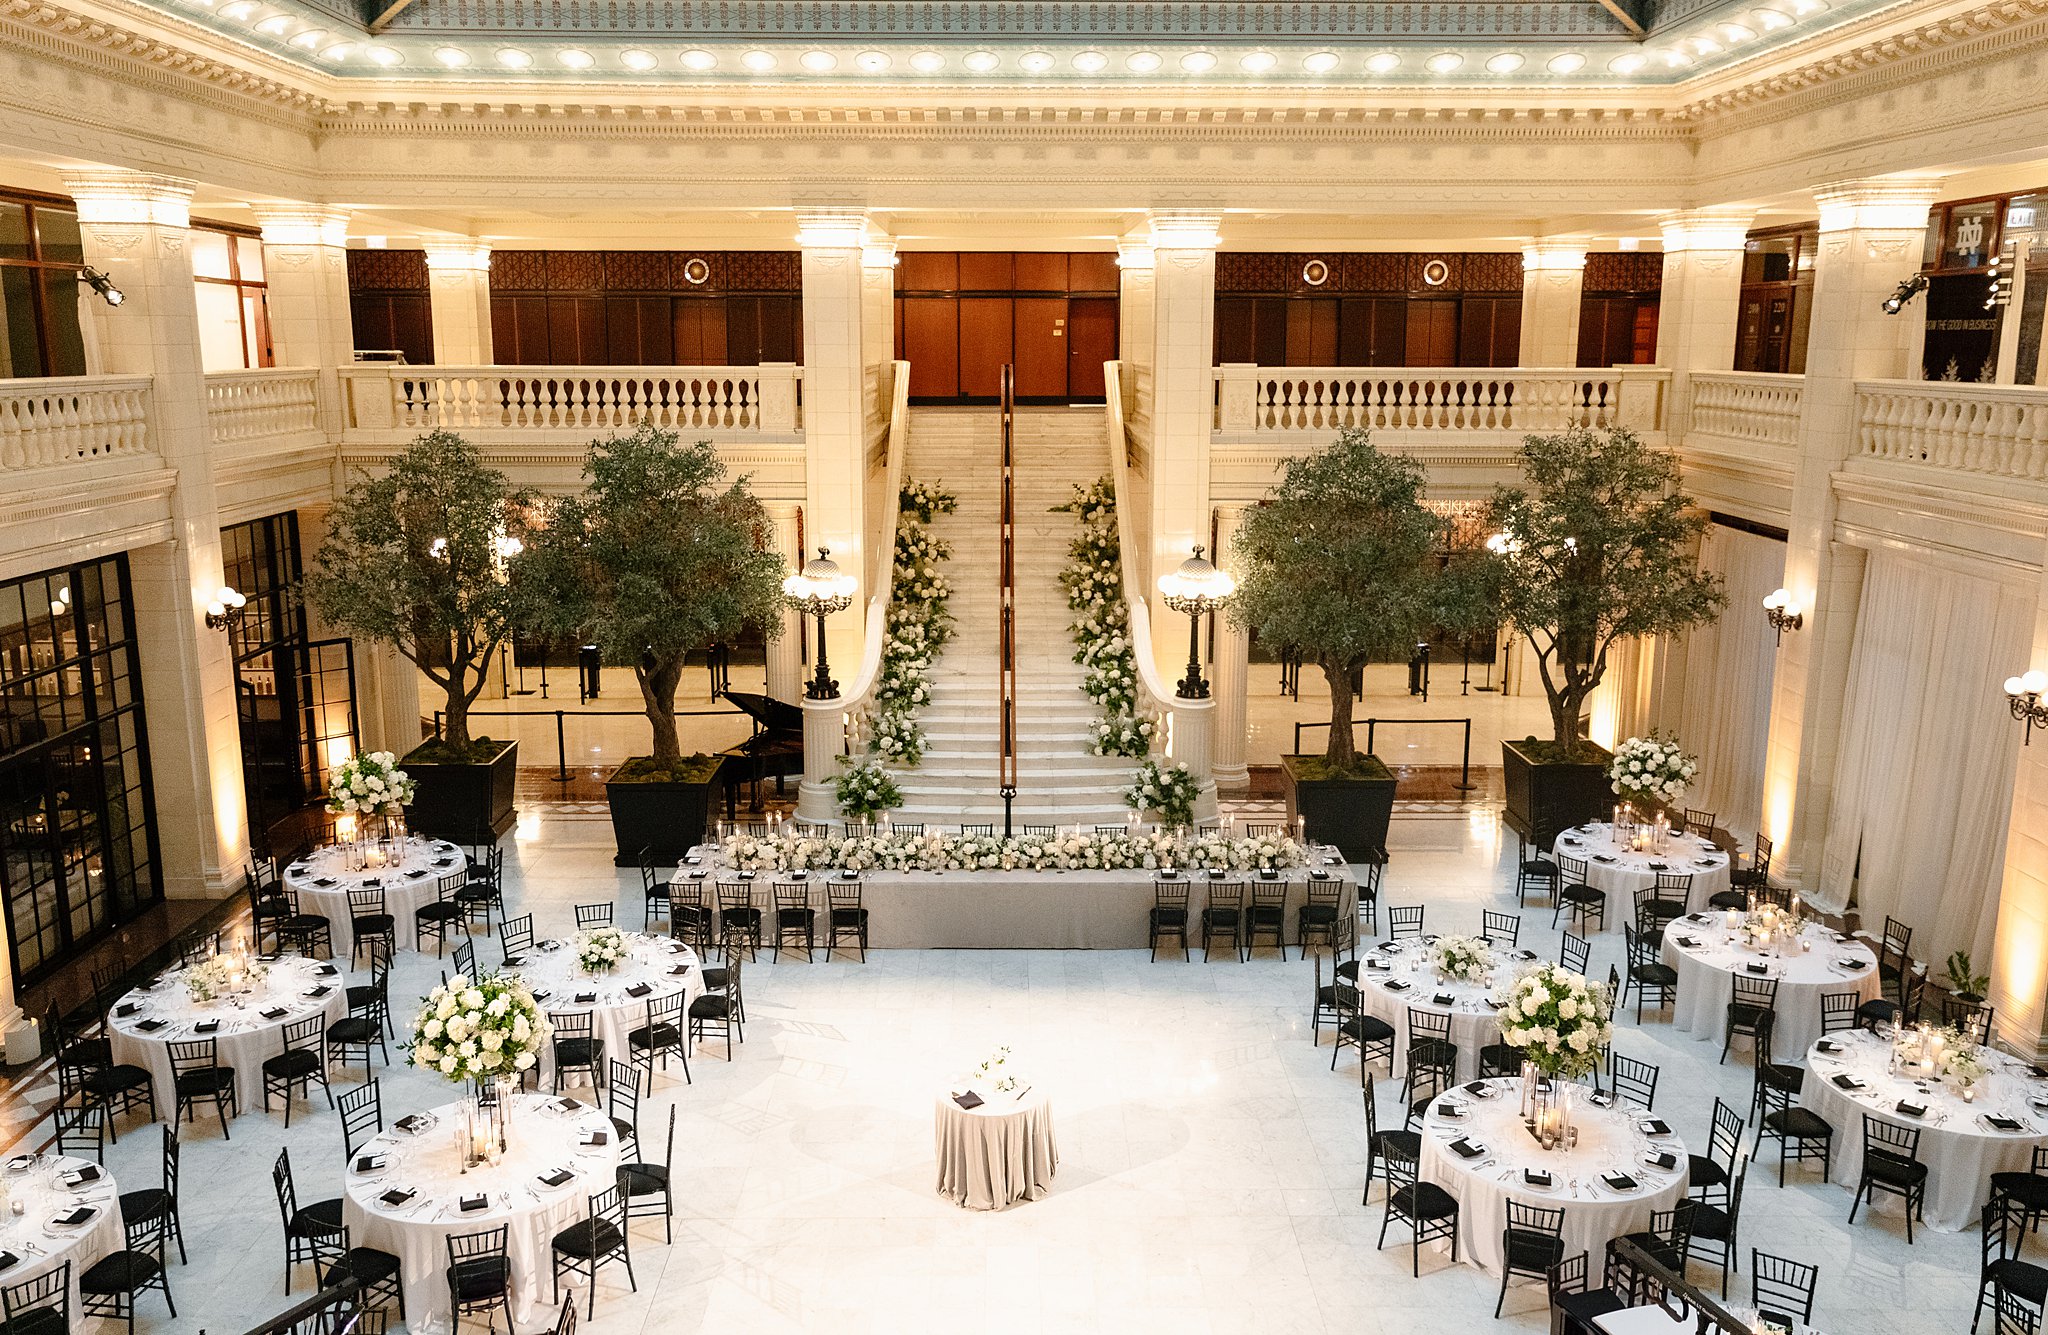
x=726, y=401
x=278, y=403
x=1262, y=401
x=47, y=423
x=1746, y=408
x=1989, y=430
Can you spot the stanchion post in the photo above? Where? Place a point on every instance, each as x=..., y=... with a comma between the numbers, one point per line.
x=1464, y=784
x=561, y=751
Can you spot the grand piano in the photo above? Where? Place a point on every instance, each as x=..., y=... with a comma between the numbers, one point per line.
x=776, y=750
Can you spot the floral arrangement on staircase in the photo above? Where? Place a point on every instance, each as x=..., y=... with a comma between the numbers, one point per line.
x=1073, y=849
x=918, y=627
x=1101, y=626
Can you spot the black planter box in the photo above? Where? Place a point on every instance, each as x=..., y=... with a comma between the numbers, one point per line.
x=1353, y=814
x=665, y=817
x=1546, y=798
x=459, y=802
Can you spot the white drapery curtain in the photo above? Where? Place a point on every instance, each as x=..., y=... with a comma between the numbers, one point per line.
x=1725, y=713
x=1924, y=780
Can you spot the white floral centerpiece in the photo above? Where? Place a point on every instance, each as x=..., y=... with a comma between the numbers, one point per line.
x=367, y=783
x=478, y=1029
x=1462, y=959
x=1070, y=850
x=220, y=975
x=1651, y=771
x=1558, y=1018
x=1169, y=789
x=865, y=789
x=601, y=950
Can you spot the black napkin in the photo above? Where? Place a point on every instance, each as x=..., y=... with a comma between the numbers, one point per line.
x=639, y=990
x=511, y=960
x=1906, y=1109
x=77, y=1216
x=1216, y=873
x=2002, y=1123
x=410, y=1123
x=1659, y=866
x=125, y=1009
x=566, y=1105
x=1536, y=1177
x=1658, y=1126
x=80, y=1176
x=541, y=994
x=1389, y=945
x=1690, y=943
x=1465, y=1149
x=1666, y=1160
x=847, y=875
x=1825, y=1045
x=327, y=971
x=2038, y=1073
x=1757, y=966
x=1319, y=876
x=1619, y=1181
x=746, y=876
x=416, y=873
x=556, y=1178
x=680, y=970
x=594, y=1138
x=373, y=883
x=1268, y=874
x=1443, y=999
x=319, y=991
x=1602, y=857
x=1375, y=962
x=1397, y=985
x=582, y=997
x=444, y=862
x=800, y=875
x=274, y=1013
x=324, y=882
x=1602, y=1099
x=970, y=1099
x=150, y=1026
x=206, y=1027
x=1450, y=1112
x=1525, y=954
x=1848, y=1082
x=1478, y=1090
x=7, y=1259
x=369, y=1163
x=469, y=1203
x=396, y=1198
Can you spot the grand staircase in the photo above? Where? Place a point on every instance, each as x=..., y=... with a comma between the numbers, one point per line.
x=1058, y=780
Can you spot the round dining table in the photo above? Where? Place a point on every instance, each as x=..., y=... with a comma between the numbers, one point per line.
x=1848, y=1075
x=247, y=1027
x=1709, y=957
x=405, y=1190
x=656, y=968
x=1476, y=1147
x=1395, y=977
x=69, y=1210
x=323, y=878
x=1622, y=871
x=995, y=1147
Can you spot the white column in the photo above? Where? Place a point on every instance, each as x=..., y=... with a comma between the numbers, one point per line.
x=878, y=301
x=1183, y=350
x=786, y=651
x=1870, y=237
x=459, y=291
x=1134, y=262
x=1553, y=279
x=1231, y=670
x=305, y=262
x=2019, y=954
x=1701, y=301
x=136, y=231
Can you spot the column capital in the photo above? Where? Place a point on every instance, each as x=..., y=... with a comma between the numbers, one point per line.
x=302, y=224
x=878, y=252
x=1542, y=256
x=1134, y=254
x=1186, y=229
x=112, y=195
x=1706, y=229
x=831, y=227
x=1890, y=203
x=458, y=255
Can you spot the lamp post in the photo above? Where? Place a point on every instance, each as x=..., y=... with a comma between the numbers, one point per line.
x=819, y=590
x=1196, y=588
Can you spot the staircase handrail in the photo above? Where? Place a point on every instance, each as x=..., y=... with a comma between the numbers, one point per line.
x=883, y=585
x=1153, y=689
x=1006, y=609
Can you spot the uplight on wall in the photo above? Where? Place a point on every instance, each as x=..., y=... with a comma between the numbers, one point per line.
x=225, y=608
x=1782, y=613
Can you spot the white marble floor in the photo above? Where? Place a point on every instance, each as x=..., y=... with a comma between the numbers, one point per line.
x=1210, y=1159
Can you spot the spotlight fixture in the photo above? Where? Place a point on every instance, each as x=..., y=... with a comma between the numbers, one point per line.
x=1907, y=289
x=101, y=284
x=225, y=609
x=1780, y=612
x=2023, y=695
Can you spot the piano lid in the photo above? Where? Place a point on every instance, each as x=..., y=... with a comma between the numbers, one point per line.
x=773, y=715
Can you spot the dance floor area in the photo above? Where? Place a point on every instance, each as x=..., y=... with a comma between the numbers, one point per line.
x=1210, y=1159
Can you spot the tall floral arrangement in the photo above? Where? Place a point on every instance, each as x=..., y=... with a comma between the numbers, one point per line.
x=865, y=789
x=474, y=1029
x=366, y=783
x=1168, y=789
x=1560, y=1020
x=917, y=629
x=1101, y=623
x=1651, y=771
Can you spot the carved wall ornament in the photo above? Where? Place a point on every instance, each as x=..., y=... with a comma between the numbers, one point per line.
x=1315, y=273
x=1436, y=273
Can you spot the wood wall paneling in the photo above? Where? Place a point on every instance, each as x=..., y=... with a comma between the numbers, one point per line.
x=1039, y=271
x=931, y=344
x=927, y=271
x=1092, y=339
x=987, y=271
x=698, y=336
x=986, y=344
x=1432, y=333
x=1039, y=340
x=402, y=320
x=1093, y=271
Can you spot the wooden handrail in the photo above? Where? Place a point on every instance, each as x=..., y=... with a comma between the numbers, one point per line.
x=1006, y=759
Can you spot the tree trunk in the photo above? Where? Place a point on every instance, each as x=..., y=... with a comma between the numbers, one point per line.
x=455, y=714
x=1342, y=748
x=658, y=681
x=1564, y=720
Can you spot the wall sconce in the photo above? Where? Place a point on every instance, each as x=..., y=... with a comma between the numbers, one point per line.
x=101, y=284
x=2023, y=693
x=1907, y=289
x=225, y=609
x=1782, y=614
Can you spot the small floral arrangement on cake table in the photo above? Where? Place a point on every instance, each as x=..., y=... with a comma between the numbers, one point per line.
x=994, y=1072
x=366, y=783
x=478, y=1029
x=1560, y=1020
x=601, y=950
x=219, y=975
x=1168, y=789
x=1462, y=959
x=1650, y=771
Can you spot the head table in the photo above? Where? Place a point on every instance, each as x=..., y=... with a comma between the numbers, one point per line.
x=421, y=1155
x=1612, y=1139
x=47, y=1188
x=1395, y=976
x=1709, y=956
x=1621, y=870
x=1960, y=1144
x=655, y=969
x=323, y=878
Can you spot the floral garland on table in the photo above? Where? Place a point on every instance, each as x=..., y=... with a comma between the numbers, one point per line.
x=1101, y=625
x=1559, y=1020
x=1146, y=850
x=1651, y=770
x=1464, y=959
x=917, y=626
x=864, y=789
x=1168, y=789
x=601, y=950
x=217, y=975
x=475, y=1029
x=366, y=783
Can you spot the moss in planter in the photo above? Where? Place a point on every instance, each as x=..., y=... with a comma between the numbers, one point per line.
x=1318, y=769
x=1580, y=752
x=434, y=751
x=696, y=768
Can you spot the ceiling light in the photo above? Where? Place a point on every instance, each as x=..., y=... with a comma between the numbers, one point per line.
x=873, y=62
x=1805, y=7
x=382, y=55
x=238, y=9
x=1034, y=62
x=1443, y=62
x=1258, y=62
x=1736, y=32
x=312, y=37
x=275, y=25
x=454, y=57
x=1706, y=46
x=339, y=51
x=1570, y=62
x=1320, y=62
x=697, y=58
x=639, y=60
x=760, y=62
x=1386, y=62
x=1771, y=19
x=575, y=58
x=981, y=62
x=1143, y=62
x=1677, y=59
x=927, y=62
x=1507, y=62
x=1627, y=64
x=1198, y=62
x=512, y=58
x=1091, y=62
x=818, y=62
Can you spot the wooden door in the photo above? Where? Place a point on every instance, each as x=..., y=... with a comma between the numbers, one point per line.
x=1039, y=335
x=987, y=341
x=781, y=330
x=931, y=344
x=1091, y=340
x=639, y=331
x=576, y=331
x=699, y=338
x=1432, y=333
x=1233, y=330
x=395, y=320
x=519, y=330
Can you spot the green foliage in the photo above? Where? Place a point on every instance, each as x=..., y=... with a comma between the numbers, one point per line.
x=478, y=751
x=695, y=768
x=1316, y=769
x=1597, y=547
x=414, y=558
x=1341, y=563
x=1961, y=977
x=656, y=558
x=864, y=789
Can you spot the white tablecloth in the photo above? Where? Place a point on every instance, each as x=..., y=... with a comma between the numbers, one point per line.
x=1961, y=1152
x=422, y=867
x=416, y=1231
x=1594, y=1214
x=1621, y=872
x=1706, y=974
x=1654, y=1320
x=1410, y=980
x=995, y=1155
x=614, y=1013
x=246, y=1038
x=36, y=1239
